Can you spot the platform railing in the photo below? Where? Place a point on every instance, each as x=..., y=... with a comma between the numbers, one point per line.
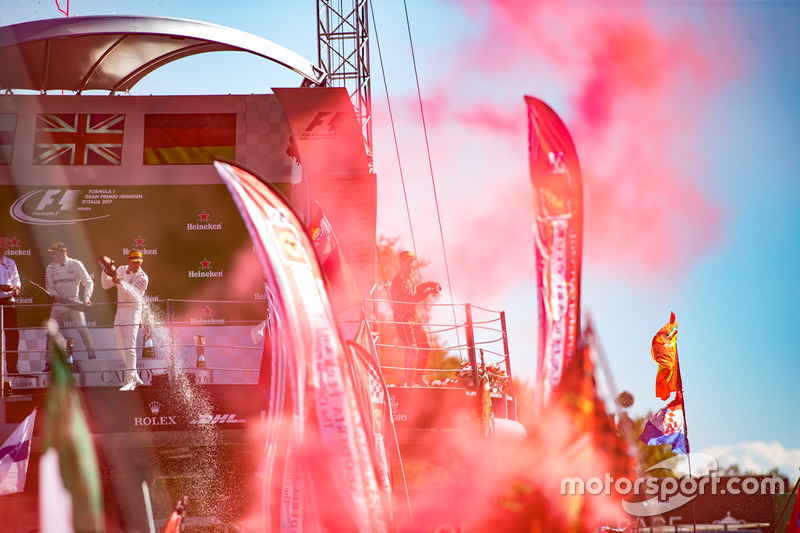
x=474, y=336
x=177, y=341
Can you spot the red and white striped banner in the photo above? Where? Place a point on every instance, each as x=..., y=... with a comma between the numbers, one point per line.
x=558, y=231
x=319, y=467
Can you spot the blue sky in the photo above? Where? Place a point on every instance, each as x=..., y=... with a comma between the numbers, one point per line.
x=685, y=117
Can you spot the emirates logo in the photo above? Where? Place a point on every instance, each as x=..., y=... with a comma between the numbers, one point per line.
x=397, y=417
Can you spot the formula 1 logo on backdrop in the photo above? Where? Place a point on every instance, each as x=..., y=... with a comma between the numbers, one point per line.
x=323, y=126
x=49, y=207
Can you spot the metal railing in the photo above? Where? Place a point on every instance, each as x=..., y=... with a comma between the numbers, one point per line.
x=181, y=340
x=472, y=339
x=729, y=528
x=475, y=337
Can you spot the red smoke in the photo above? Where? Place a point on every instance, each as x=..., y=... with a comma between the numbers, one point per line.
x=631, y=88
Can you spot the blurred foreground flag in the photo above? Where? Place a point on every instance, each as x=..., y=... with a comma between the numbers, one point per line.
x=667, y=426
x=174, y=523
x=665, y=352
x=319, y=469
x=70, y=493
x=339, y=280
x=578, y=395
x=14, y=455
x=793, y=525
x=373, y=396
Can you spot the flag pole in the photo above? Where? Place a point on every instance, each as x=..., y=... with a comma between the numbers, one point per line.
x=685, y=428
x=595, y=343
x=788, y=501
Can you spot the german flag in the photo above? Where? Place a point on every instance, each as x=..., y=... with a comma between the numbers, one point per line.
x=188, y=138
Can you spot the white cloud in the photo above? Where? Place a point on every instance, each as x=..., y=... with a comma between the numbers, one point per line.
x=758, y=456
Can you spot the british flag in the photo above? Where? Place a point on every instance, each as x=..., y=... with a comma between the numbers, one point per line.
x=78, y=139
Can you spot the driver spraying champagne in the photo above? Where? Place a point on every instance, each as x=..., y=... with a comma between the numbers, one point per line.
x=131, y=282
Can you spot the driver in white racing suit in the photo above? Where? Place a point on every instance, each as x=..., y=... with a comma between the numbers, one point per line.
x=131, y=282
x=63, y=278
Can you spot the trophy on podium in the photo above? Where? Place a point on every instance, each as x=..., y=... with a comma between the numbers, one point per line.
x=200, y=346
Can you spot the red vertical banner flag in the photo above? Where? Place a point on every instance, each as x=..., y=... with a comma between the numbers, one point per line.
x=326, y=130
x=558, y=237
x=320, y=469
x=329, y=141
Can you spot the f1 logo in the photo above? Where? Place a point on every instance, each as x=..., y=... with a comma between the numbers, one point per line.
x=51, y=197
x=324, y=125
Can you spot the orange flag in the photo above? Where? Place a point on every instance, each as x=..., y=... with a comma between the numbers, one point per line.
x=665, y=352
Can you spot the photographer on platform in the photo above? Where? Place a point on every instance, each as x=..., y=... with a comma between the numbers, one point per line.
x=406, y=294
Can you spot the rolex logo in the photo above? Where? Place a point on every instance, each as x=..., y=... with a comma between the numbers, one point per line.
x=155, y=407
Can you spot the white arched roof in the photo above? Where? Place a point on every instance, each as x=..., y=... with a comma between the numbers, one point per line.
x=113, y=53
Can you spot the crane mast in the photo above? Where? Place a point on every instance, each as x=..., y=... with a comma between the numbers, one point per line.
x=343, y=49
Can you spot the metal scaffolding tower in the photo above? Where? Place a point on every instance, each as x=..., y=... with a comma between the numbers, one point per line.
x=343, y=46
